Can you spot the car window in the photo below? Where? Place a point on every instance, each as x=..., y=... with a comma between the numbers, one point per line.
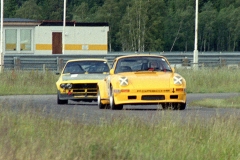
x=86, y=66
x=142, y=63
x=73, y=68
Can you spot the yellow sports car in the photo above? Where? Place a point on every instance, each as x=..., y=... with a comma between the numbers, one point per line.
x=79, y=78
x=142, y=79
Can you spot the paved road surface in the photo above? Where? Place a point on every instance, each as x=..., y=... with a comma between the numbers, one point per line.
x=89, y=112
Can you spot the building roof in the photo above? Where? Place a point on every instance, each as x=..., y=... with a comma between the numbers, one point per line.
x=30, y=22
x=72, y=23
x=20, y=22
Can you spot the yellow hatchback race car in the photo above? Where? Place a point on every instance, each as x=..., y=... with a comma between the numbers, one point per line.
x=142, y=79
x=79, y=78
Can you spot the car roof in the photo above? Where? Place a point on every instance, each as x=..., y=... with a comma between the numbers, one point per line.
x=140, y=55
x=87, y=59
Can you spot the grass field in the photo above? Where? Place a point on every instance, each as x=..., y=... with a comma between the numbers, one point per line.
x=220, y=80
x=26, y=135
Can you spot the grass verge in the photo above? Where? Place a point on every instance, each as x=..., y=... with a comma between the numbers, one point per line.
x=27, y=82
x=233, y=102
x=205, y=80
x=25, y=135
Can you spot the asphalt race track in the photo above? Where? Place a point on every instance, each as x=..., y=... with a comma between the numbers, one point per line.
x=90, y=113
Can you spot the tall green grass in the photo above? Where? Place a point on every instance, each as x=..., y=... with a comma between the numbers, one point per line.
x=28, y=135
x=204, y=80
x=211, y=80
x=208, y=80
x=17, y=82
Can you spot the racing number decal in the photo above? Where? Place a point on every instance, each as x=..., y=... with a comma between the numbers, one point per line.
x=123, y=81
x=177, y=80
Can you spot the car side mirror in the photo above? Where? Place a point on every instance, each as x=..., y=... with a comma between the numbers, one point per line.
x=111, y=72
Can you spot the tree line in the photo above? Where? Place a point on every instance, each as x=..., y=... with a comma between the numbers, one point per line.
x=146, y=25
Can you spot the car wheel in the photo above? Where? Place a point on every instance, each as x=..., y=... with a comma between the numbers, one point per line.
x=182, y=106
x=59, y=101
x=179, y=106
x=113, y=106
x=169, y=106
x=164, y=106
x=100, y=105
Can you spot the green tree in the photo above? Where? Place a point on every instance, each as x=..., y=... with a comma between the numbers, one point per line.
x=179, y=25
x=156, y=12
x=29, y=10
x=10, y=7
x=234, y=29
x=133, y=26
x=207, y=18
x=81, y=13
x=145, y=25
x=179, y=29
x=222, y=31
x=53, y=9
x=111, y=12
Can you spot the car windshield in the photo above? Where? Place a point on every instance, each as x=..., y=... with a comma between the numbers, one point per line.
x=80, y=67
x=142, y=63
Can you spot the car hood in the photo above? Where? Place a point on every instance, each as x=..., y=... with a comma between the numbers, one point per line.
x=148, y=79
x=69, y=77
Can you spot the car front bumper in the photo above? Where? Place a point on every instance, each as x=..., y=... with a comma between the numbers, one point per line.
x=77, y=97
x=148, y=97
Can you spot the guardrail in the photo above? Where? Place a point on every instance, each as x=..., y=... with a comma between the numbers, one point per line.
x=56, y=62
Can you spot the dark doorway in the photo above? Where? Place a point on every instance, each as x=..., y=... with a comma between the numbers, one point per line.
x=57, y=43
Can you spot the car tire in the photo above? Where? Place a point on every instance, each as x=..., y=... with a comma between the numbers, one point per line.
x=164, y=106
x=113, y=106
x=100, y=105
x=182, y=106
x=173, y=106
x=59, y=101
x=179, y=106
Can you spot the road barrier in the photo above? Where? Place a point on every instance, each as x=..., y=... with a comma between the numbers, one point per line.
x=181, y=59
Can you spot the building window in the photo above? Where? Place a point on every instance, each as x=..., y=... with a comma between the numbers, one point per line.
x=18, y=40
x=25, y=40
x=11, y=39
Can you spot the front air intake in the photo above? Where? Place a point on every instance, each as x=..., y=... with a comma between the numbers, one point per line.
x=153, y=97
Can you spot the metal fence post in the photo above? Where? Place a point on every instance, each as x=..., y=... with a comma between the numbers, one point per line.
x=185, y=62
x=59, y=64
x=16, y=63
x=44, y=68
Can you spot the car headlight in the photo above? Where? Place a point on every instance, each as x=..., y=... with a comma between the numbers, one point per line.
x=177, y=80
x=123, y=81
x=66, y=85
x=69, y=85
x=63, y=85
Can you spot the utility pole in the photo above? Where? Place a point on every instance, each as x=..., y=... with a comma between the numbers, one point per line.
x=1, y=40
x=64, y=24
x=195, y=52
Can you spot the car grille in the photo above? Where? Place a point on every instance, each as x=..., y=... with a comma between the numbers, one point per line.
x=85, y=85
x=153, y=97
x=85, y=89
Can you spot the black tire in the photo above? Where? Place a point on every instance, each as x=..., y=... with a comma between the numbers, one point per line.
x=59, y=101
x=182, y=106
x=113, y=106
x=174, y=106
x=179, y=106
x=164, y=106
